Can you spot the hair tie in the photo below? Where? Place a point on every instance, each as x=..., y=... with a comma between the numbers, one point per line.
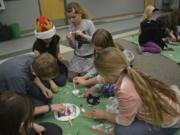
x=127, y=67
x=125, y=70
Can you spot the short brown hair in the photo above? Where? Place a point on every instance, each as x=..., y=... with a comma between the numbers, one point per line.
x=45, y=66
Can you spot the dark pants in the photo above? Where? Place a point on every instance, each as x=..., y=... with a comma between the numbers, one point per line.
x=37, y=95
x=51, y=129
x=139, y=127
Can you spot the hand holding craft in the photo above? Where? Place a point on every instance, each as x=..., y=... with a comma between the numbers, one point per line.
x=58, y=108
x=96, y=114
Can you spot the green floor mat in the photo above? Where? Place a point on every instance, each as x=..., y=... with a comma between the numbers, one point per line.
x=172, y=55
x=178, y=132
x=80, y=125
x=132, y=39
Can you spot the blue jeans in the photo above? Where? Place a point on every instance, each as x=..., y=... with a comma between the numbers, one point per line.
x=139, y=127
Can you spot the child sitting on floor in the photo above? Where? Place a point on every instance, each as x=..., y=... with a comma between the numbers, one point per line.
x=16, y=116
x=150, y=37
x=48, y=41
x=79, y=38
x=147, y=106
x=101, y=39
x=169, y=23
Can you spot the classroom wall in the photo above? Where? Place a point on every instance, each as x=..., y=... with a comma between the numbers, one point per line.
x=175, y=4
x=104, y=8
x=24, y=12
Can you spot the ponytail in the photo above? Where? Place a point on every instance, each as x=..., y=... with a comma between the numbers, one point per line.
x=150, y=90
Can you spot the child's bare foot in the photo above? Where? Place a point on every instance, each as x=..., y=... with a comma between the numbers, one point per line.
x=139, y=50
x=53, y=86
x=54, y=89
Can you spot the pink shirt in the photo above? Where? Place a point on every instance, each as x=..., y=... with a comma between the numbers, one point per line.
x=131, y=105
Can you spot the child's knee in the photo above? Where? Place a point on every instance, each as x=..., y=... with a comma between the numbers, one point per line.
x=61, y=80
x=122, y=130
x=138, y=127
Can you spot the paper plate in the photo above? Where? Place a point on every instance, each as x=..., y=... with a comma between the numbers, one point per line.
x=74, y=112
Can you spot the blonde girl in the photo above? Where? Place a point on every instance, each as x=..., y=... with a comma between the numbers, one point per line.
x=79, y=38
x=148, y=12
x=150, y=37
x=146, y=105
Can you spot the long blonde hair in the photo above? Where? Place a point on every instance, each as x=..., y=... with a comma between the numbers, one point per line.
x=111, y=62
x=148, y=12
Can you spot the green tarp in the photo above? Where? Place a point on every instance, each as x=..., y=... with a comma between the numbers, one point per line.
x=81, y=124
x=172, y=55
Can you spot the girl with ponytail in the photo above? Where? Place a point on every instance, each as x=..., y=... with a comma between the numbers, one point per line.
x=146, y=105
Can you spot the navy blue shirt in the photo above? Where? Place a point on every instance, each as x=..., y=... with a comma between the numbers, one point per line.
x=15, y=74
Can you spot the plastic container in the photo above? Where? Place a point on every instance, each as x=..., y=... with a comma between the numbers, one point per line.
x=16, y=33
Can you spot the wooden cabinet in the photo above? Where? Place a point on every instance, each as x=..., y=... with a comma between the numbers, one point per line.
x=53, y=9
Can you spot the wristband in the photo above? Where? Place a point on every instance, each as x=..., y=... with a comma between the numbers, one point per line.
x=50, y=109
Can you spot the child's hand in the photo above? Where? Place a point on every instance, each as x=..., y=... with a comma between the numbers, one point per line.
x=178, y=38
x=75, y=79
x=38, y=128
x=89, y=92
x=79, y=33
x=58, y=108
x=69, y=36
x=47, y=93
x=80, y=81
x=173, y=37
x=60, y=57
x=98, y=114
x=95, y=114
